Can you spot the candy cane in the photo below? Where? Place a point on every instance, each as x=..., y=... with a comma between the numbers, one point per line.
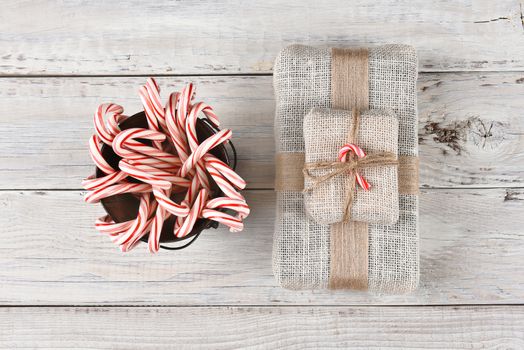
x=203, y=148
x=196, y=209
x=342, y=156
x=200, y=151
x=94, y=183
x=235, y=224
x=101, y=130
x=100, y=193
x=156, y=229
x=350, y=147
x=185, y=100
x=176, y=109
x=177, y=134
x=170, y=129
x=126, y=146
x=136, y=231
x=193, y=144
x=106, y=225
x=95, y=150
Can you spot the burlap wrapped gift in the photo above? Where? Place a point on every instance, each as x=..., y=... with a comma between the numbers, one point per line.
x=326, y=130
x=301, y=248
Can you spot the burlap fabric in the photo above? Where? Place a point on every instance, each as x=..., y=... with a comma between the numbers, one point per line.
x=301, y=246
x=325, y=132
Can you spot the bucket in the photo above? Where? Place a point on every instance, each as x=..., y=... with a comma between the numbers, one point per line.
x=124, y=207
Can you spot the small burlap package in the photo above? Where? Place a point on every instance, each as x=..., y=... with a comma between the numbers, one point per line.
x=331, y=193
x=354, y=254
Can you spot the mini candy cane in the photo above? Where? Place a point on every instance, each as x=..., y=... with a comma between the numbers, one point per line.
x=186, y=167
x=342, y=156
x=194, y=214
x=101, y=130
x=235, y=223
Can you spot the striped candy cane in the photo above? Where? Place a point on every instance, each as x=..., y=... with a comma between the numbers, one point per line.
x=174, y=161
x=359, y=152
x=106, y=134
x=194, y=214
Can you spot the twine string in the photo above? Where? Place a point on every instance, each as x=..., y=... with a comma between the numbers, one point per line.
x=349, y=162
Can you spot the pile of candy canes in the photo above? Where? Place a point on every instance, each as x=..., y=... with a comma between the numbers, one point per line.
x=173, y=161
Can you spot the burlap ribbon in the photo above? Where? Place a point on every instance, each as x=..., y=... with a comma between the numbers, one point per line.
x=352, y=165
x=289, y=175
x=349, y=240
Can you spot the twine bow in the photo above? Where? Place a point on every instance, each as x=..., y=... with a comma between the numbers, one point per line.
x=351, y=158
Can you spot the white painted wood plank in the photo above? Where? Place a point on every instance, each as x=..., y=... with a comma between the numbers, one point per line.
x=500, y=327
x=471, y=126
x=471, y=253
x=471, y=130
x=233, y=36
x=44, y=143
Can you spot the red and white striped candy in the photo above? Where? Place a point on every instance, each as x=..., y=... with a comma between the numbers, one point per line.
x=100, y=193
x=173, y=161
x=359, y=152
x=350, y=147
x=194, y=214
x=203, y=148
x=104, y=133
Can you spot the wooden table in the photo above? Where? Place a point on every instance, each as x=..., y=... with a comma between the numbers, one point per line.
x=64, y=285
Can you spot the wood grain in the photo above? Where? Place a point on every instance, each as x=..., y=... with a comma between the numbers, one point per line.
x=51, y=255
x=214, y=328
x=471, y=126
x=230, y=36
x=59, y=60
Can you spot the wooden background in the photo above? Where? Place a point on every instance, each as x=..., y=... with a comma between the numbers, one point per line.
x=64, y=285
